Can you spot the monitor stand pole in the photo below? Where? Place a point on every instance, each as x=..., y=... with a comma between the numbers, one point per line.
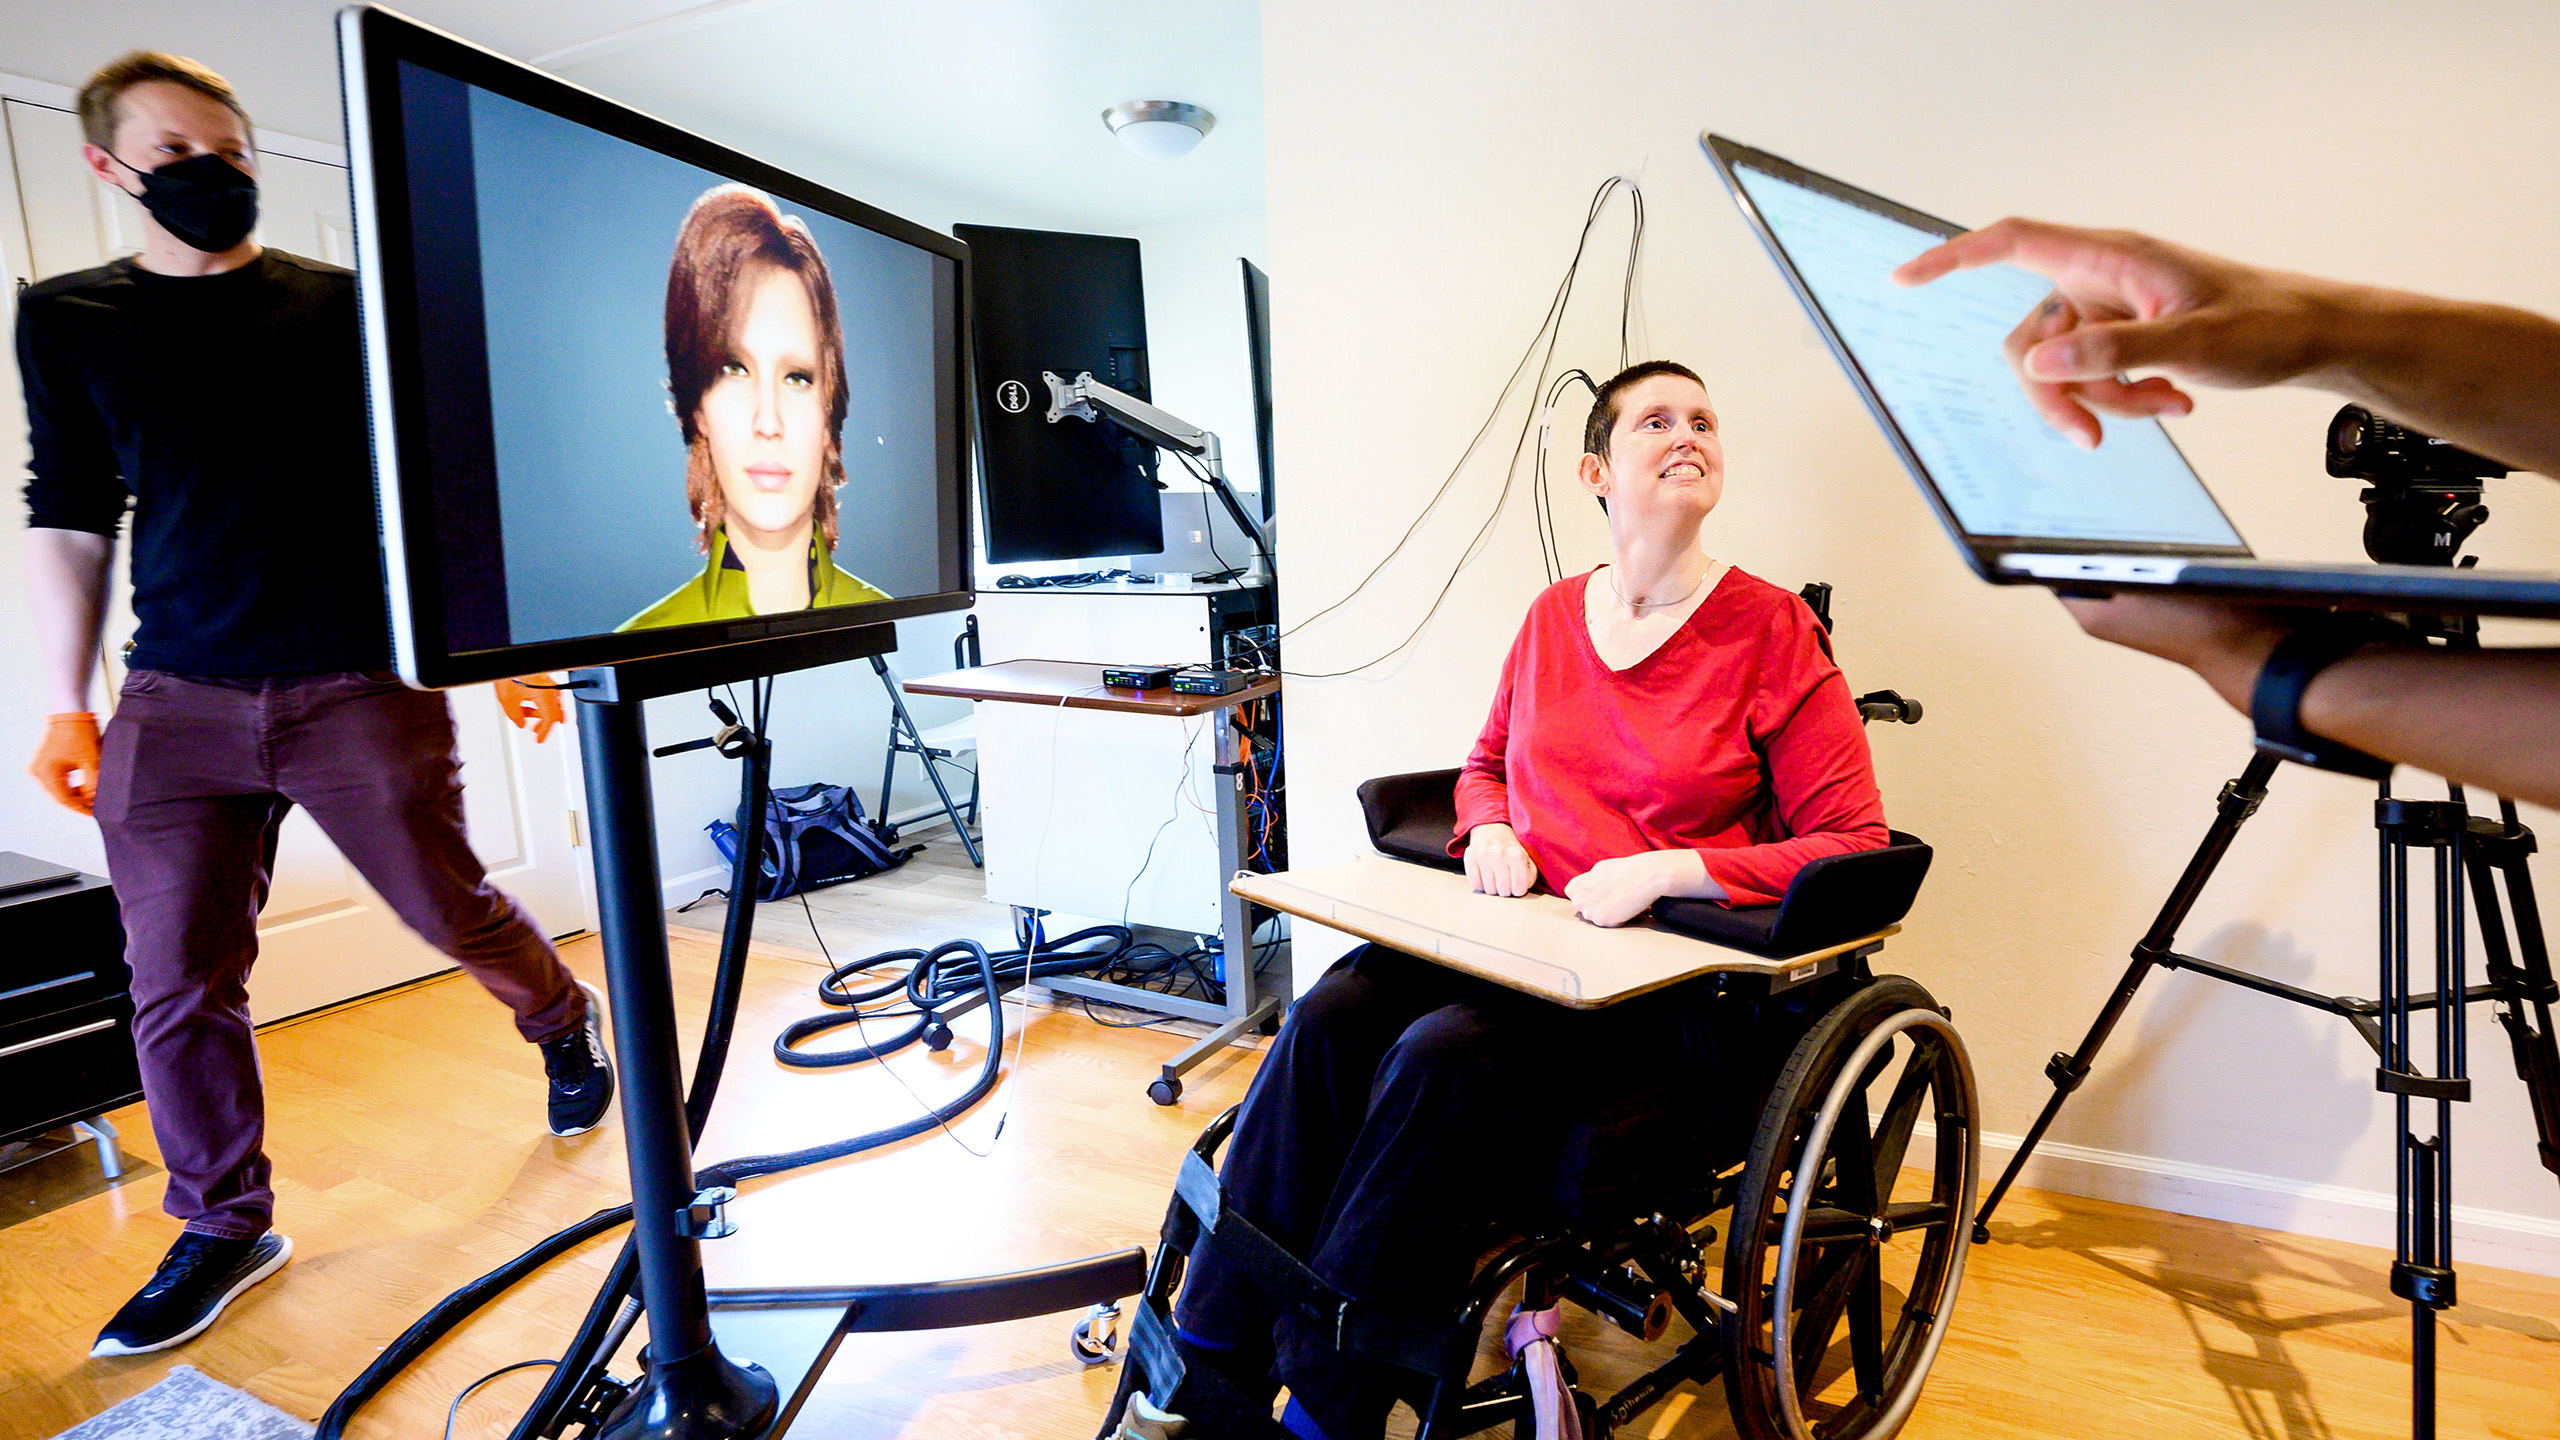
x=691, y=1390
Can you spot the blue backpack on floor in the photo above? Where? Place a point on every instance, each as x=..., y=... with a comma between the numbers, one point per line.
x=815, y=835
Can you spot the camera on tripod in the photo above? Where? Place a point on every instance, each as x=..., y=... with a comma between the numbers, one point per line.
x=2423, y=499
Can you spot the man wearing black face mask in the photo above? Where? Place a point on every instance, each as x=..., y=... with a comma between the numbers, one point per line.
x=218, y=385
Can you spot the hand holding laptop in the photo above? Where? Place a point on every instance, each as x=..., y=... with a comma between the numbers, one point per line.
x=2225, y=643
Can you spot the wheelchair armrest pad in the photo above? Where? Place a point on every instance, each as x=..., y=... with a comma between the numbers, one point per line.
x=1835, y=898
x=1412, y=817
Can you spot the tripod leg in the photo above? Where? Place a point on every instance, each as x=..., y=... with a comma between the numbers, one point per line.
x=2422, y=1265
x=2066, y=1072
x=2522, y=976
x=2238, y=801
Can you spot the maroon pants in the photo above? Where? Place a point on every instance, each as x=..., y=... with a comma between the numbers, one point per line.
x=195, y=780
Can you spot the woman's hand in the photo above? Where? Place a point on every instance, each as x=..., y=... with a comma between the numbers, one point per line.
x=1614, y=892
x=1497, y=863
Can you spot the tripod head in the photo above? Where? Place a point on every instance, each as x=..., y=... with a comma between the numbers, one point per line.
x=2423, y=499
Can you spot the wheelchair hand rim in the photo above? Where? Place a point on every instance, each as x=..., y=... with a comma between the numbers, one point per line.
x=1799, y=1197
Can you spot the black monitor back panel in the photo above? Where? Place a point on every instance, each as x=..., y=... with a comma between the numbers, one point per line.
x=1257, y=332
x=1048, y=301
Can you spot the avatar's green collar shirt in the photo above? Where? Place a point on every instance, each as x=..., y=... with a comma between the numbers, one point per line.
x=720, y=591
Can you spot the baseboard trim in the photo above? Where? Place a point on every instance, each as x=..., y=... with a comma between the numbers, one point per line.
x=675, y=890
x=2529, y=1243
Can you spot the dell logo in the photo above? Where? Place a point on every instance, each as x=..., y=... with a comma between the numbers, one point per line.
x=1014, y=396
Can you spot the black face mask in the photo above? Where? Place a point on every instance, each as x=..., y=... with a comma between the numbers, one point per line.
x=204, y=200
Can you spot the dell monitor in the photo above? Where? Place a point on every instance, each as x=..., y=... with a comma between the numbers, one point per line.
x=636, y=394
x=1062, y=304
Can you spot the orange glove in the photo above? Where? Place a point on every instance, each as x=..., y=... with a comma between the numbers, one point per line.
x=529, y=702
x=70, y=748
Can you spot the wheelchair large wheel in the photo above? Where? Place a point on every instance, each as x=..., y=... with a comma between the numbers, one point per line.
x=1842, y=1273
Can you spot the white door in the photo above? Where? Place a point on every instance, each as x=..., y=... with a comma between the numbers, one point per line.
x=325, y=936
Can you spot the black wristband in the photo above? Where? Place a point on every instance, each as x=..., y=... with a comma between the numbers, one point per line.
x=2275, y=705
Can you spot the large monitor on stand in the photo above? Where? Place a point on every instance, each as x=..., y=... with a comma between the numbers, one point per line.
x=1048, y=301
x=654, y=412
x=635, y=394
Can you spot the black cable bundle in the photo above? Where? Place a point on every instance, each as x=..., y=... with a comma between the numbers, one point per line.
x=939, y=987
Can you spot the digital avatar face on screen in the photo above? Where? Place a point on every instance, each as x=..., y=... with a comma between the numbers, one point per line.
x=704, y=403
x=756, y=378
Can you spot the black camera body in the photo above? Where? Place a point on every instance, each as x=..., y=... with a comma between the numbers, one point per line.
x=2364, y=446
x=2423, y=497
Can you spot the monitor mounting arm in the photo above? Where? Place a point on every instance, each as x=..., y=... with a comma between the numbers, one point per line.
x=1086, y=398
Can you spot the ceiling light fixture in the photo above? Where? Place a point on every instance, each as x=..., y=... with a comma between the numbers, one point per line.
x=1159, y=129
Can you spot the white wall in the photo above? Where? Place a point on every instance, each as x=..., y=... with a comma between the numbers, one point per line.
x=1429, y=165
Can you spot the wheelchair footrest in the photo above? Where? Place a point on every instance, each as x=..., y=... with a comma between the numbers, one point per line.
x=1198, y=1393
x=1426, y=1344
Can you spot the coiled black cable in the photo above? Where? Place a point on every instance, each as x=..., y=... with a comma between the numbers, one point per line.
x=936, y=982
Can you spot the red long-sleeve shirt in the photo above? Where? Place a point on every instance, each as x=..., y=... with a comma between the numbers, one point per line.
x=1736, y=738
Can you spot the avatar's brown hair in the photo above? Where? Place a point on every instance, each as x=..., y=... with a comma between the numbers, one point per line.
x=730, y=232
x=98, y=97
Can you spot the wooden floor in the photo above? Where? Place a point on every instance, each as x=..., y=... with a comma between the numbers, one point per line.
x=410, y=1156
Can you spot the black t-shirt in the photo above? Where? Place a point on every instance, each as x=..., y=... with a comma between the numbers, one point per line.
x=231, y=409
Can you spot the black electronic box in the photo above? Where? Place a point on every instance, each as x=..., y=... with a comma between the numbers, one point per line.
x=1138, y=677
x=1210, y=682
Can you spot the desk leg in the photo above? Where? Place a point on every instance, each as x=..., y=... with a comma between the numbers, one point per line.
x=1245, y=1009
x=1167, y=1088
x=110, y=1158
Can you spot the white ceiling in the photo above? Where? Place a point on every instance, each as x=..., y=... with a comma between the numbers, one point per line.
x=992, y=100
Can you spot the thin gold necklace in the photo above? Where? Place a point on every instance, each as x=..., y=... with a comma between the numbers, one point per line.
x=1652, y=604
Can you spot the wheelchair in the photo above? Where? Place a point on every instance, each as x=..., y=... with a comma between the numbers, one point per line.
x=1822, y=1304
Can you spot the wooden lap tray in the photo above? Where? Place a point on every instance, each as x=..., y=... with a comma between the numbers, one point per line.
x=1533, y=943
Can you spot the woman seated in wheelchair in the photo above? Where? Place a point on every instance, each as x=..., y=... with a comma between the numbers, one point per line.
x=1666, y=725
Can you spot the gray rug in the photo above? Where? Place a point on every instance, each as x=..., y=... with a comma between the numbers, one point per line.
x=187, y=1406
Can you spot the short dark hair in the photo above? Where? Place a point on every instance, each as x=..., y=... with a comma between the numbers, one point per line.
x=1605, y=400
x=731, y=230
x=99, y=96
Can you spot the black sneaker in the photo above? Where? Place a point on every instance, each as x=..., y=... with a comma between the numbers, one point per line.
x=200, y=1275
x=581, y=1072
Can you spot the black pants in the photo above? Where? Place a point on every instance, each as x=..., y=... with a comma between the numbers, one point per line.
x=1404, y=1109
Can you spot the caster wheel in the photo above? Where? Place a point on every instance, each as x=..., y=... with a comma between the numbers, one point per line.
x=1096, y=1340
x=937, y=1037
x=1165, y=1092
